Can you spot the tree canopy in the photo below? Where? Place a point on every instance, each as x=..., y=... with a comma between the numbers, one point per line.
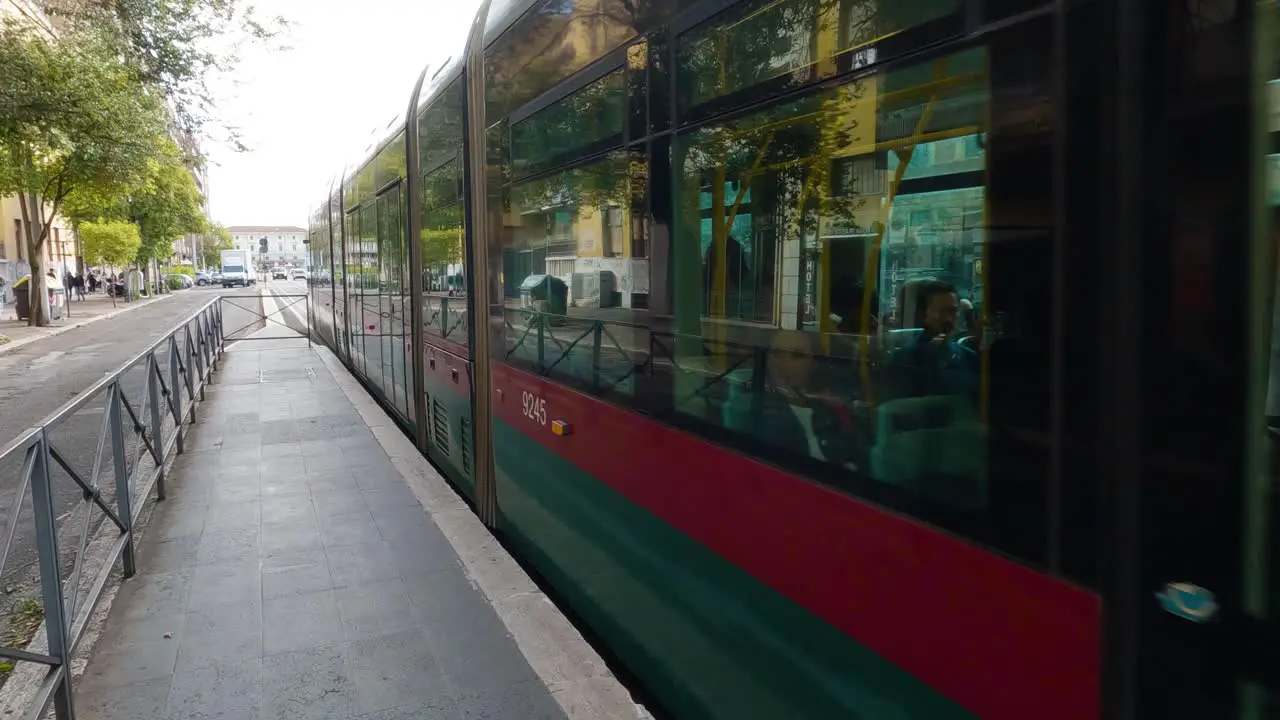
x=167, y=206
x=113, y=243
x=73, y=120
x=176, y=47
x=216, y=240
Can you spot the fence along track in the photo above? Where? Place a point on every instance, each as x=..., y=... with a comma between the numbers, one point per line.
x=143, y=425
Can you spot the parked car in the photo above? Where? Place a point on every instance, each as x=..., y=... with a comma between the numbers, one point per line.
x=215, y=277
x=298, y=274
x=203, y=278
x=179, y=281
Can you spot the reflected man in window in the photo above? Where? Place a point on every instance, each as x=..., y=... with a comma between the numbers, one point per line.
x=933, y=362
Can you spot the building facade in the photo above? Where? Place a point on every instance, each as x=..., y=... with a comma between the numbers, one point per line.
x=286, y=244
x=59, y=248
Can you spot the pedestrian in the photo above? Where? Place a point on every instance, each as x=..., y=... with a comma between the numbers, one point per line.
x=79, y=286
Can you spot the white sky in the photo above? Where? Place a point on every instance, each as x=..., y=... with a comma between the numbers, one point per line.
x=304, y=112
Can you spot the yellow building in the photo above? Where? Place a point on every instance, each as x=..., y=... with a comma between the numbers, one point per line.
x=60, y=245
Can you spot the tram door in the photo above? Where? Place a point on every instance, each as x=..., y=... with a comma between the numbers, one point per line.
x=1190, y=424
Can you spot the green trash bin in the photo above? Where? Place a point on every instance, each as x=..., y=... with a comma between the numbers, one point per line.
x=547, y=294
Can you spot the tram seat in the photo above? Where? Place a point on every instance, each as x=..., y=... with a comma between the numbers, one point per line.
x=934, y=447
x=776, y=424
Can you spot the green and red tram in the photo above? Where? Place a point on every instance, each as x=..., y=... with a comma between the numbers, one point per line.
x=849, y=358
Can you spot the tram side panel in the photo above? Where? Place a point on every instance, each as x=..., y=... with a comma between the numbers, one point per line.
x=447, y=381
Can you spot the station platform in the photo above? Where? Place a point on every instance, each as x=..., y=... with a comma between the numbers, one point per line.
x=309, y=563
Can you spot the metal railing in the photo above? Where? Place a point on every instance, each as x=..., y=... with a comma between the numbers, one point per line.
x=446, y=317
x=143, y=425
x=549, y=341
x=253, y=307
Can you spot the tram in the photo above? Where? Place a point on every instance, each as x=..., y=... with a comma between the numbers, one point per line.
x=848, y=358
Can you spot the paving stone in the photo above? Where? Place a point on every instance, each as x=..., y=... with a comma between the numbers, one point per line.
x=298, y=573
x=300, y=621
x=138, y=701
x=376, y=608
x=228, y=690
x=355, y=564
x=310, y=684
x=211, y=636
x=392, y=671
x=237, y=581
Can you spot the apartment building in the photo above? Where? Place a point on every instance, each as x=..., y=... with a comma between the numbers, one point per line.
x=286, y=244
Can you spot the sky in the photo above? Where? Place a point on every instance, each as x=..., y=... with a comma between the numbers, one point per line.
x=307, y=110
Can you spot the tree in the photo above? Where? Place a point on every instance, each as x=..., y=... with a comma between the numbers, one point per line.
x=166, y=207
x=217, y=239
x=73, y=119
x=111, y=243
x=175, y=47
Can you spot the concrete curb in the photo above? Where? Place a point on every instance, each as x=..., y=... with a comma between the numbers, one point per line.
x=15, y=344
x=563, y=660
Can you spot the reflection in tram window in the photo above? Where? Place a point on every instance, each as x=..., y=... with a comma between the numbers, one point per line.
x=767, y=40
x=553, y=41
x=444, y=285
x=588, y=117
x=832, y=258
x=336, y=288
x=440, y=128
x=571, y=280
x=1263, y=587
x=444, y=274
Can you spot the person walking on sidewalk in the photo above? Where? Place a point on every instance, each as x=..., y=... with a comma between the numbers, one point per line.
x=79, y=286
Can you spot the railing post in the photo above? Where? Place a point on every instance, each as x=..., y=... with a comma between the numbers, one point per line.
x=542, y=342
x=175, y=389
x=124, y=502
x=307, y=300
x=157, y=422
x=55, y=609
x=759, y=380
x=189, y=368
x=197, y=353
x=214, y=346
x=597, y=332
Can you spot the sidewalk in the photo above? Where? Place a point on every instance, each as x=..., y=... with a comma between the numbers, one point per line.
x=310, y=564
x=98, y=306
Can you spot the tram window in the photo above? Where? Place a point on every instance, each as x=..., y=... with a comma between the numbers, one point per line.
x=760, y=41
x=334, y=291
x=570, y=278
x=832, y=263
x=440, y=128
x=592, y=115
x=993, y=10
x=550, y=43
x=443, y=259
x=441, y=186
x=390, y=163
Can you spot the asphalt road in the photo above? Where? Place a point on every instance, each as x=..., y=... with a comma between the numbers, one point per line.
x=38, y=378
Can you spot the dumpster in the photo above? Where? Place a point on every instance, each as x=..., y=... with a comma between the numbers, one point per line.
x=57, y=297
x=545, y=293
